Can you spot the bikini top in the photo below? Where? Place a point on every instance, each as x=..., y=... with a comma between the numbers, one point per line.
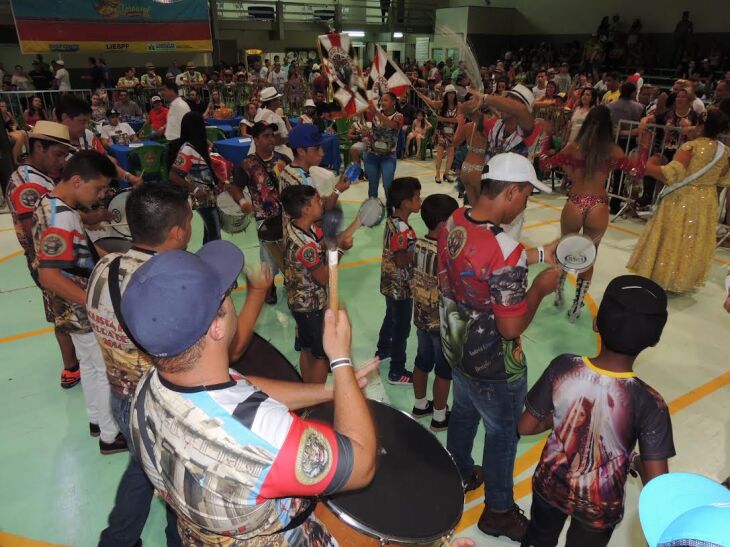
x=471, y=149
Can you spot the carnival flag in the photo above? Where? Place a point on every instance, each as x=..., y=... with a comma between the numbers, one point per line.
x=386, y=76
x=340, y=65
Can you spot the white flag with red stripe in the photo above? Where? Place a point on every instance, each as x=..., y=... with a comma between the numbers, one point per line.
x=386, y=76
x=340, y=65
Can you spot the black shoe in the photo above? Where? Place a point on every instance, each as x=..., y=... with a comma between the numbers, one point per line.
x=271, y=298
x=114, y=447
x=421, y=412
x=442, y=425
x=475, y=480
x=94, y=430
x=512, y=524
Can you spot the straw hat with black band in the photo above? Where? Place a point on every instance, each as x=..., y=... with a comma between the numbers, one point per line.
x=52, y=132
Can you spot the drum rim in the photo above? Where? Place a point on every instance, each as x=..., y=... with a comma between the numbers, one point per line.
x=360, y=527
x=570, y=268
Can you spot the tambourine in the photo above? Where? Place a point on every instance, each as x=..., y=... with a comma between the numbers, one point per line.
x=575, y=253
x=371, y=212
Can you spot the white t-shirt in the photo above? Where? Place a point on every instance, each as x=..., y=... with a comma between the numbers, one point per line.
x=21, y=83
x=178, y=108
x=269, y=116
x=117, y=134
x=278, y=80
x=64, y=79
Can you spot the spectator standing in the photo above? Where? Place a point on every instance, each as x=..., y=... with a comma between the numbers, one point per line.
x=563, y=79
x=62, y=77
x=41, y=80
x=626, y=107
x=177, y=109
x=20, y=79
x=277, y=78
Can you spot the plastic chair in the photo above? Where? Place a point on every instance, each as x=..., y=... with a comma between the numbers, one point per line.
x=214, y=133
x=150, y=161
x=342, y=127
x=427, y=144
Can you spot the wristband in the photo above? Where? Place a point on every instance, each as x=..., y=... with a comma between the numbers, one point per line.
x=341, y=362
x=541, y=254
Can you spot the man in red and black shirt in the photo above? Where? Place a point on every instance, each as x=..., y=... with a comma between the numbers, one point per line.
x=49, y=145
x=485, y=307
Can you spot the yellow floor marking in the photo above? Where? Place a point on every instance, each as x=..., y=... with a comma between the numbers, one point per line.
x=11, y=255
x=7, y=229
x=11, y=540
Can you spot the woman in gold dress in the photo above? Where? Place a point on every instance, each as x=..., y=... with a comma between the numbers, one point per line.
x=676, y=248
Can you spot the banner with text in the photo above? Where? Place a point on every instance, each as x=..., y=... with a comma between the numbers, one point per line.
x=106, y=26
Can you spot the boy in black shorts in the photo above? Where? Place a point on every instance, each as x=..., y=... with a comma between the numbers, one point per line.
x=307, y=274
x=435, y=211
x=597, y=409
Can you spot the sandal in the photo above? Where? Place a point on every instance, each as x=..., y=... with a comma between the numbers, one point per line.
x=438, y=179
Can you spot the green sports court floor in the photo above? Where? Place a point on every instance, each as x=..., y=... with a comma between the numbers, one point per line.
x=57, y=488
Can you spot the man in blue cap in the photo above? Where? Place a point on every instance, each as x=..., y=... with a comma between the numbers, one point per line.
x=225, y=451
x=305, y=141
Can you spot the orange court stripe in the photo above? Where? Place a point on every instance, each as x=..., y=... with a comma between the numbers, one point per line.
x=11, y=255
x=7, y=229
x=22, y=335
x=11, y=540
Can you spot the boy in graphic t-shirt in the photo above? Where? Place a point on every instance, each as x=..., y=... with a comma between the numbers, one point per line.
x=435, y=211
x=598, y=409
x=396, y=272
x=306, y=275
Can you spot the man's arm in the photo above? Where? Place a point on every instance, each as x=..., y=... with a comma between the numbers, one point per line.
x=53, y=280
x=545, y=283
x=508, y=106
x=258, y=286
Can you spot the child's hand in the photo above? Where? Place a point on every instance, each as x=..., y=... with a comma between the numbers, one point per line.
x=260, y=279
x=344, y=241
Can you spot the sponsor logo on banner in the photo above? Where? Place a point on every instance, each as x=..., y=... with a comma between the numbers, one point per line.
x=161, y=46
x=63, y=47
x=116, y=47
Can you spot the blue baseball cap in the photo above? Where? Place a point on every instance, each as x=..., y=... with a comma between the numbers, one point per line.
x=172, y=299
x=305, y=135
x=685, y=508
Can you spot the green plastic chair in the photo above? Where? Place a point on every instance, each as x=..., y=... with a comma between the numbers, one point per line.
x=150, y=160
x=427, y=144
x=342, y=127
x=214, y=133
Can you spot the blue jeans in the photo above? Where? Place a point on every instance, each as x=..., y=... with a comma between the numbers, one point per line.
x=499, y=405
x=377, y=166
x=431, y=355
x=134, y=495
x=394, y=333
x=211, y=223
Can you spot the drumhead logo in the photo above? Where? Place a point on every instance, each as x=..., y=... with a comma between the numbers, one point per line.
x=314, y=457
x=116, y=215
x=455, y=241
x=53, y=245
x=575, y=260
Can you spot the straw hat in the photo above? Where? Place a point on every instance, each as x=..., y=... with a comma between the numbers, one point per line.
x=51, y=131
x=269, y=94
x=309, y=102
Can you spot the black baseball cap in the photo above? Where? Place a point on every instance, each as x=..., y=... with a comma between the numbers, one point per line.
x=632, y=314
x=111, y=112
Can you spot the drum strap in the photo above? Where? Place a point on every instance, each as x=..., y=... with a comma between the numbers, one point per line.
x=147, y=443
x=116, y=297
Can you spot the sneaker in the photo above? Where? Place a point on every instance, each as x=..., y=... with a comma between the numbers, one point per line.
x=404, y=378
x=475, y=480
x=114, y=447
x=421, y=412
x=94, y=430
x=69, y=378
x=512, y=524
x=271, y=298
x=437, y=426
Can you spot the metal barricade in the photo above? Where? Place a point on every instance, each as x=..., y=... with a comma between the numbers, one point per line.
x=18, y=101
x=621, y=186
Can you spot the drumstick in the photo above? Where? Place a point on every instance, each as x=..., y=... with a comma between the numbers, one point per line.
x=330, y=227
x=445, y=542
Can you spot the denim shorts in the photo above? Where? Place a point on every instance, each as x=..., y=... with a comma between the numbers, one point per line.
x=310, y=325
x=430, y=355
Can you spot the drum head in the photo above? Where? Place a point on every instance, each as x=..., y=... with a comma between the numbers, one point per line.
x=575, y=253
x=114, y=244
x=119, y=214
x=372, y=212
x=263, y=359
x=323, y=179
x=416, y=495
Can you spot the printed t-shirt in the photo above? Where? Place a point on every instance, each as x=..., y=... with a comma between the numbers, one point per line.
x=25, y=188
x=498, y=141
x=125, y=364
x=189, y=164
x=598, y=416
x=303, y=254
x=394, y=281
x=482, y=275
x=232, y=462
x=61, y=242
x=424, y=285
x=261, y=180
x=117, y=134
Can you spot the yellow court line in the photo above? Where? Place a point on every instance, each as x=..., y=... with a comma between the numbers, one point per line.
x=22, y=335
x=7, y=229
x=531, y=456
x=11, y=540
x=11, y=255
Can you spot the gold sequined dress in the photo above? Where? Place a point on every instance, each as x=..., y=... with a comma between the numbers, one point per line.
x=676, y=248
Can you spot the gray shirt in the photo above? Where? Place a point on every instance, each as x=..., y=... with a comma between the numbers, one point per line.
x=625, y=109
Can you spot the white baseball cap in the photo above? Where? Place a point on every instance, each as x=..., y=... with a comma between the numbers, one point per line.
x=511, y=167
